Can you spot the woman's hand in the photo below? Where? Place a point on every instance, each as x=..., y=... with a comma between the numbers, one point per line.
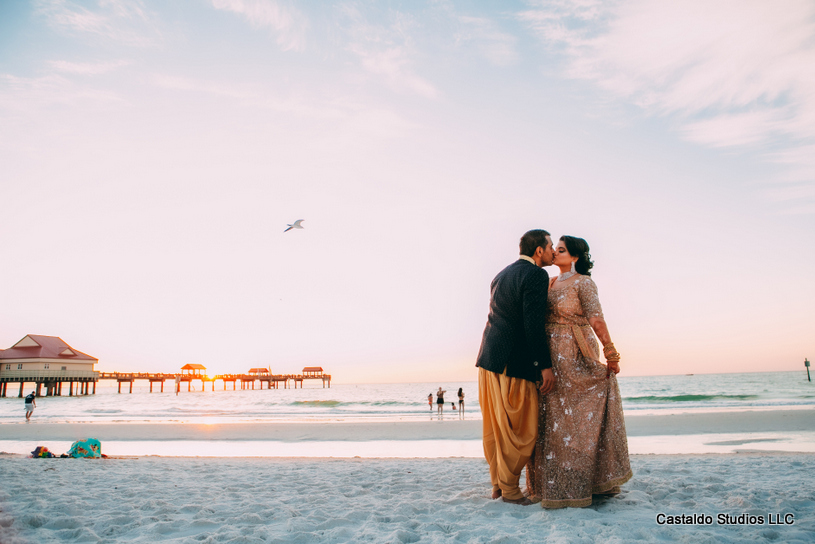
x=548, y=378
x=601, y=329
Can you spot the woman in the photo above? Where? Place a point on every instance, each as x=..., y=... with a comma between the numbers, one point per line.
x=582, y=447
x=440, y=400
x=460, y=400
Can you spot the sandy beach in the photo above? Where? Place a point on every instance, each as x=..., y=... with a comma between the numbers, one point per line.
x=245, y=500
x=414, y=481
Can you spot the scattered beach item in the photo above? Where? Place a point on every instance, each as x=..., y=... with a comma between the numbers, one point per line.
x=86, y=447
x=295, y=225
x=42, y=452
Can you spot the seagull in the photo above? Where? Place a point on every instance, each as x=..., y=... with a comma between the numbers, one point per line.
x=295, y=225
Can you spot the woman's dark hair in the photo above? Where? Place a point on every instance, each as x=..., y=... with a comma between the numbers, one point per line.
x=459, y=391
x=578, y=247
x=531, y=240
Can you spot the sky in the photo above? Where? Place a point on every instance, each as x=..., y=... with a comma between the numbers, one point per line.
x=152, y=154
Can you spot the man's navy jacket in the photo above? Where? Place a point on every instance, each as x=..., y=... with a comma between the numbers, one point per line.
x=515, y=337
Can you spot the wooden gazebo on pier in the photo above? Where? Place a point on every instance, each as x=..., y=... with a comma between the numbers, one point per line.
x=193, y=369
x=312, y=373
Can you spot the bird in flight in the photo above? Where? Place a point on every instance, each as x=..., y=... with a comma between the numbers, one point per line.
x=295, y=225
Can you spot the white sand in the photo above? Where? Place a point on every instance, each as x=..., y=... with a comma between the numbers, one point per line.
x=253, y=500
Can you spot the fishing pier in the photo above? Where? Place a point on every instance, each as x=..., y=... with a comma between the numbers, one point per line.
x=49, y=362
x=197, y=373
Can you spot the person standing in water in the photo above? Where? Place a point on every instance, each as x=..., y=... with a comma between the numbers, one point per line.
x=440, y=400
x=460, y=400
x=430, y=401
x=30, y=404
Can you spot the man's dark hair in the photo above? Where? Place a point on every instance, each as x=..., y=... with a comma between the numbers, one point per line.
x=531, y=240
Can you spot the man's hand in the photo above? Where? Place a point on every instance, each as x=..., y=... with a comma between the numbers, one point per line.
x=548, y=378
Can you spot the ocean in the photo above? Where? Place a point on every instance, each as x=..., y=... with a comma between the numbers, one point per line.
x=398, y=402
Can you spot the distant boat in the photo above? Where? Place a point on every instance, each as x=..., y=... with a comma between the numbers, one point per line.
x=688, y=374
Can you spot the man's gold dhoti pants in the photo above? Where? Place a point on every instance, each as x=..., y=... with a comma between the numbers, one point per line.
x=509, y=408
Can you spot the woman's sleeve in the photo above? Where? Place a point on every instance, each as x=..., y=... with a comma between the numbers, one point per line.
x=587, y=292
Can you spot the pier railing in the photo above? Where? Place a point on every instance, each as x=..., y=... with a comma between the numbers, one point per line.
x=49, y=375
x=53, y=380
x=247, y=380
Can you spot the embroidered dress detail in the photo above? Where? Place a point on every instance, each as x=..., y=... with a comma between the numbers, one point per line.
x=582, y=448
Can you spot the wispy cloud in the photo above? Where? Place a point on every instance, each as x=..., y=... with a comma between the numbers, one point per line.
x=286, y=22
x=123, y=21
x=86, y=68
x=219, y=88
x=387, y=50
x=394, y=65
x=24, y=99
x=496, y=46
x=732, y=73
x=358, y=117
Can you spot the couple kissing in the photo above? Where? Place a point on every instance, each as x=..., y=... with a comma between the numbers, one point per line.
x=548, y=403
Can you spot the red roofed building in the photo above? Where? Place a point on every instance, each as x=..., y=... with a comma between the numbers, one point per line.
x=45, y=360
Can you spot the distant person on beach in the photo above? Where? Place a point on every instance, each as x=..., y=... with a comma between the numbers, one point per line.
x=514, y=355
x=440, y=400
x=460, y=400
x=430, y=401
x=30, y=404
x=581, y=447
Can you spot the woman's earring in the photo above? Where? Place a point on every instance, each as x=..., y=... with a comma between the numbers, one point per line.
x=573, y=270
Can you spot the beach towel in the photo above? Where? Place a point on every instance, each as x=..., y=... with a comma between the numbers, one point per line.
x=87, y=447
x=41, y=451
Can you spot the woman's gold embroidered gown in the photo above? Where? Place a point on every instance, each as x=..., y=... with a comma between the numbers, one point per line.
x=582, y=446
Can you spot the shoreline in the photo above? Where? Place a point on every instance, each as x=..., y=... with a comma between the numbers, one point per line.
x=765, y=421
x=4, y=455
x=690, y=433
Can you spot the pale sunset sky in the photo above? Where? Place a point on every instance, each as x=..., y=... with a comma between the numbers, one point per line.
x=152, y=153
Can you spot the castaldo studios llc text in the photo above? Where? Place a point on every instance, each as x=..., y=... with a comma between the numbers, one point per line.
x=725, y=519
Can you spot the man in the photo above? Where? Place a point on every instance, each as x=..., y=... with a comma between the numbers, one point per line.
x=30, y=404
x=514, y=355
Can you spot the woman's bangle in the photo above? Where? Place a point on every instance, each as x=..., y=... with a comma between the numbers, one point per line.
x=611, y=353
